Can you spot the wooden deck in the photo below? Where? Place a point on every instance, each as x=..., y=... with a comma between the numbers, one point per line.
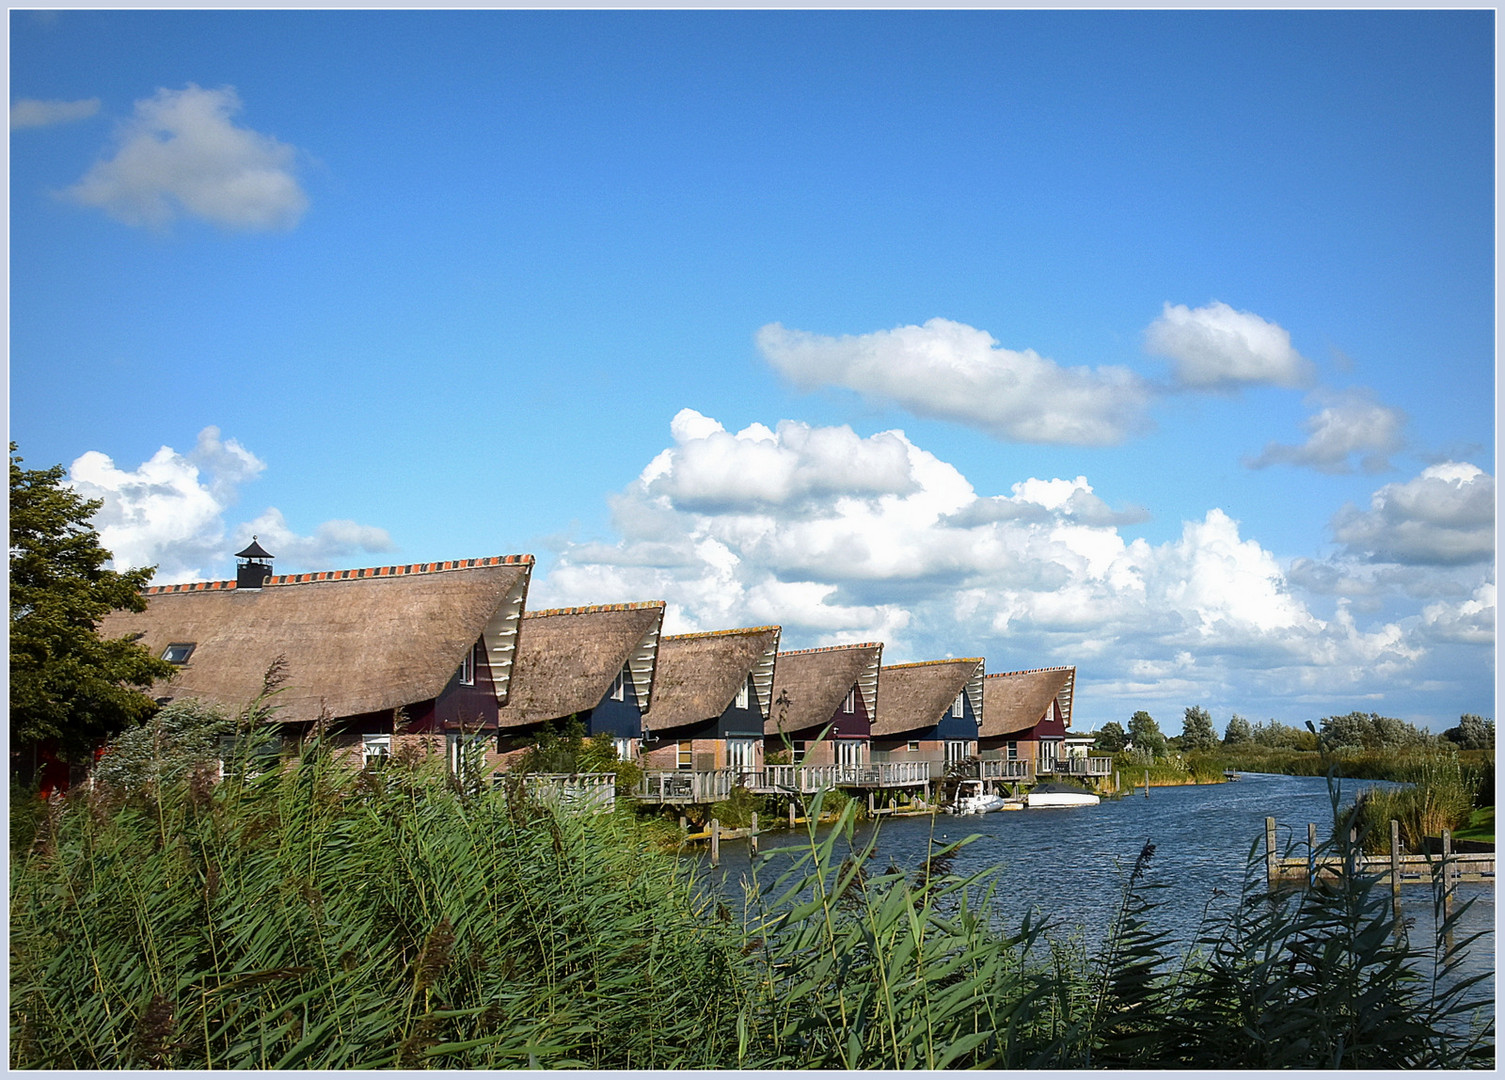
x=686, y=787
x=1393, y=870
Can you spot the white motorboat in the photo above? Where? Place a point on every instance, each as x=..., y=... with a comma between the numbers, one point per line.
x=972, y=799
x=1050, y=795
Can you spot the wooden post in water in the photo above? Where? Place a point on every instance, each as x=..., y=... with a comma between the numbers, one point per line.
x=1147, y=783
x=684, y=826
x=791, y=813
x=1311, y=854
x=715, y=842
x=752, y=839
x=1395, y=860
x=1270, y=872
x=1447, y=873
x=1116, y=788
x=870, y=804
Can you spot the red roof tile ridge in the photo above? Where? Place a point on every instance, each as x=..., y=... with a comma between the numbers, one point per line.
x=932, y=663
x=720, y=633
x=831, y=648
x=1030, y=671
x=345, y=575
x=594, y=608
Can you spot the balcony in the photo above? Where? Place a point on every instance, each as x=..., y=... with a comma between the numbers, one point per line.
x=690, y=787
x=992, y=769
x=593, y=793
x=807, y=779
x=1088, y=766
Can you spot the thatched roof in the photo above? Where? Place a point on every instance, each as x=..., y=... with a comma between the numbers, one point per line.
x=917, y=696
x=1018, y=700
x=569, y=657
x=699, y=674
x=354, y=641
x=815, y=683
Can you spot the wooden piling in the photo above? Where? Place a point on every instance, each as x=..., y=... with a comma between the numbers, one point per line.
x=1270, y=857
x=1116, y=788
x=871, y=806
x=752, y=838
x=715, y=842
x=1147, y=783
x=1448, y=872
x=1395, y=859
x=791, y=813
x=1311, y=853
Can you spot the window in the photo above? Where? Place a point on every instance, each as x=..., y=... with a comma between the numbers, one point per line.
x=739, y=754
x=1012, y=751
x=799, y=751
x=958, y=707
x=743, y=697
x=375, y=749
x=849, y=706
x=468, y=668
x=1048, y=756
x=914, y=746
x=178, y=652
x=626, y=748
x=849, y=751
x=619, y=686
x=686, y=754
x=956, y=750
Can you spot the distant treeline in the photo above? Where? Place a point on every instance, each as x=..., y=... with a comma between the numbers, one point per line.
x=1351, y=732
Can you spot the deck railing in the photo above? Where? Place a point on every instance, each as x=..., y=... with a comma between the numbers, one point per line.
x=994, y=769
x=590, y=792
x=1088, y=766
x=807, y=779
x=689, y=787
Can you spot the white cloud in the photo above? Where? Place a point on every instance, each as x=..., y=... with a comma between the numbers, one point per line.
x=1444, y=516
x=1349, y=423
x=1039, y=576
x=1471, y=622
x=1216, y=347
x=951, y=371
x=31, y=113
x=170, y=513
x=180, y=155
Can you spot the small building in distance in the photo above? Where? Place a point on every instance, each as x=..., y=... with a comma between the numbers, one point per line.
x=375, y=656
x=835, y=688
x=930, y=712
x=594, y=664
x=711, y=699
x=1027, y=716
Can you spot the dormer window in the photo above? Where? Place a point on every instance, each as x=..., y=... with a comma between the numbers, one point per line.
x=619, y=686
x=468, y=668
x=178, y=652
x=957, y=706
x=849, y=706
x=743, y=697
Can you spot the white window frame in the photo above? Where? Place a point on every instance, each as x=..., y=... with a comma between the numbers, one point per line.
x=1049, y=755
x=626, y=748
x=957, y=706
x=1011, y=751
x=468, y=668
x=684, y=755
x=619, y=686
x=743, y=697
x=849, y=706
x=375, y=748
x=741, y=754
x=914, y=746
x=849, y=751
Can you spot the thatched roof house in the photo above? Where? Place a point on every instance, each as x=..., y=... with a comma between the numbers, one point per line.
x=702, y=676
x=814, y=687
x=583, y=660
x=352, y=642
x=1028, y=705
x=916, y=698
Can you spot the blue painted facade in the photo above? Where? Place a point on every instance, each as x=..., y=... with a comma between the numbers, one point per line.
x=619, y=719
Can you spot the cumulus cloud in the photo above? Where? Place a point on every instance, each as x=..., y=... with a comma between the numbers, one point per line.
x=921, y=561
x=180, y=154
x=1444, y=516
x=951, y=371
x=1349, y=423
x=1471, y=622
x=1218, y=348
x=31, y=113
x=169, y=512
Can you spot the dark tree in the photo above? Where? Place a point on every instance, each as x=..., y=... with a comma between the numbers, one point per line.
x=1472, y=733
x=1111, y=738
x=1146, y=734
x=67, y=684
x=1196, y=730
x=1239, y=731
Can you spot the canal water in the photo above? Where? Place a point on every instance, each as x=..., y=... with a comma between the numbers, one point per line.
x=1070, y=864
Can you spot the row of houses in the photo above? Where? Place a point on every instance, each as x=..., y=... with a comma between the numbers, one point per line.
x=431, y=651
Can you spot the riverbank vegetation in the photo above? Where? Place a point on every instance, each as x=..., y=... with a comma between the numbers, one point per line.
x=308, y=917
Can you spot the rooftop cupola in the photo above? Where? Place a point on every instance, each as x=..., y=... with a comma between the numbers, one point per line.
x=255, y=566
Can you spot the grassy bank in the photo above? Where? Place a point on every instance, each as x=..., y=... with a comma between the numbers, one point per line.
x=314, y=919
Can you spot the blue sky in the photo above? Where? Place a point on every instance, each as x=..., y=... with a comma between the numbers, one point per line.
x=1159, y=343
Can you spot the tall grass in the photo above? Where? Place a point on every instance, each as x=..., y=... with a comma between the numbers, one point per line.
x=308, y=918
x=1439, y=794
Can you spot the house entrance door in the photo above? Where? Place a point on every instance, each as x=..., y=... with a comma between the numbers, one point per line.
x=849, y=751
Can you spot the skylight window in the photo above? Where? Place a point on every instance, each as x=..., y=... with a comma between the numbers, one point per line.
x=178, y=652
